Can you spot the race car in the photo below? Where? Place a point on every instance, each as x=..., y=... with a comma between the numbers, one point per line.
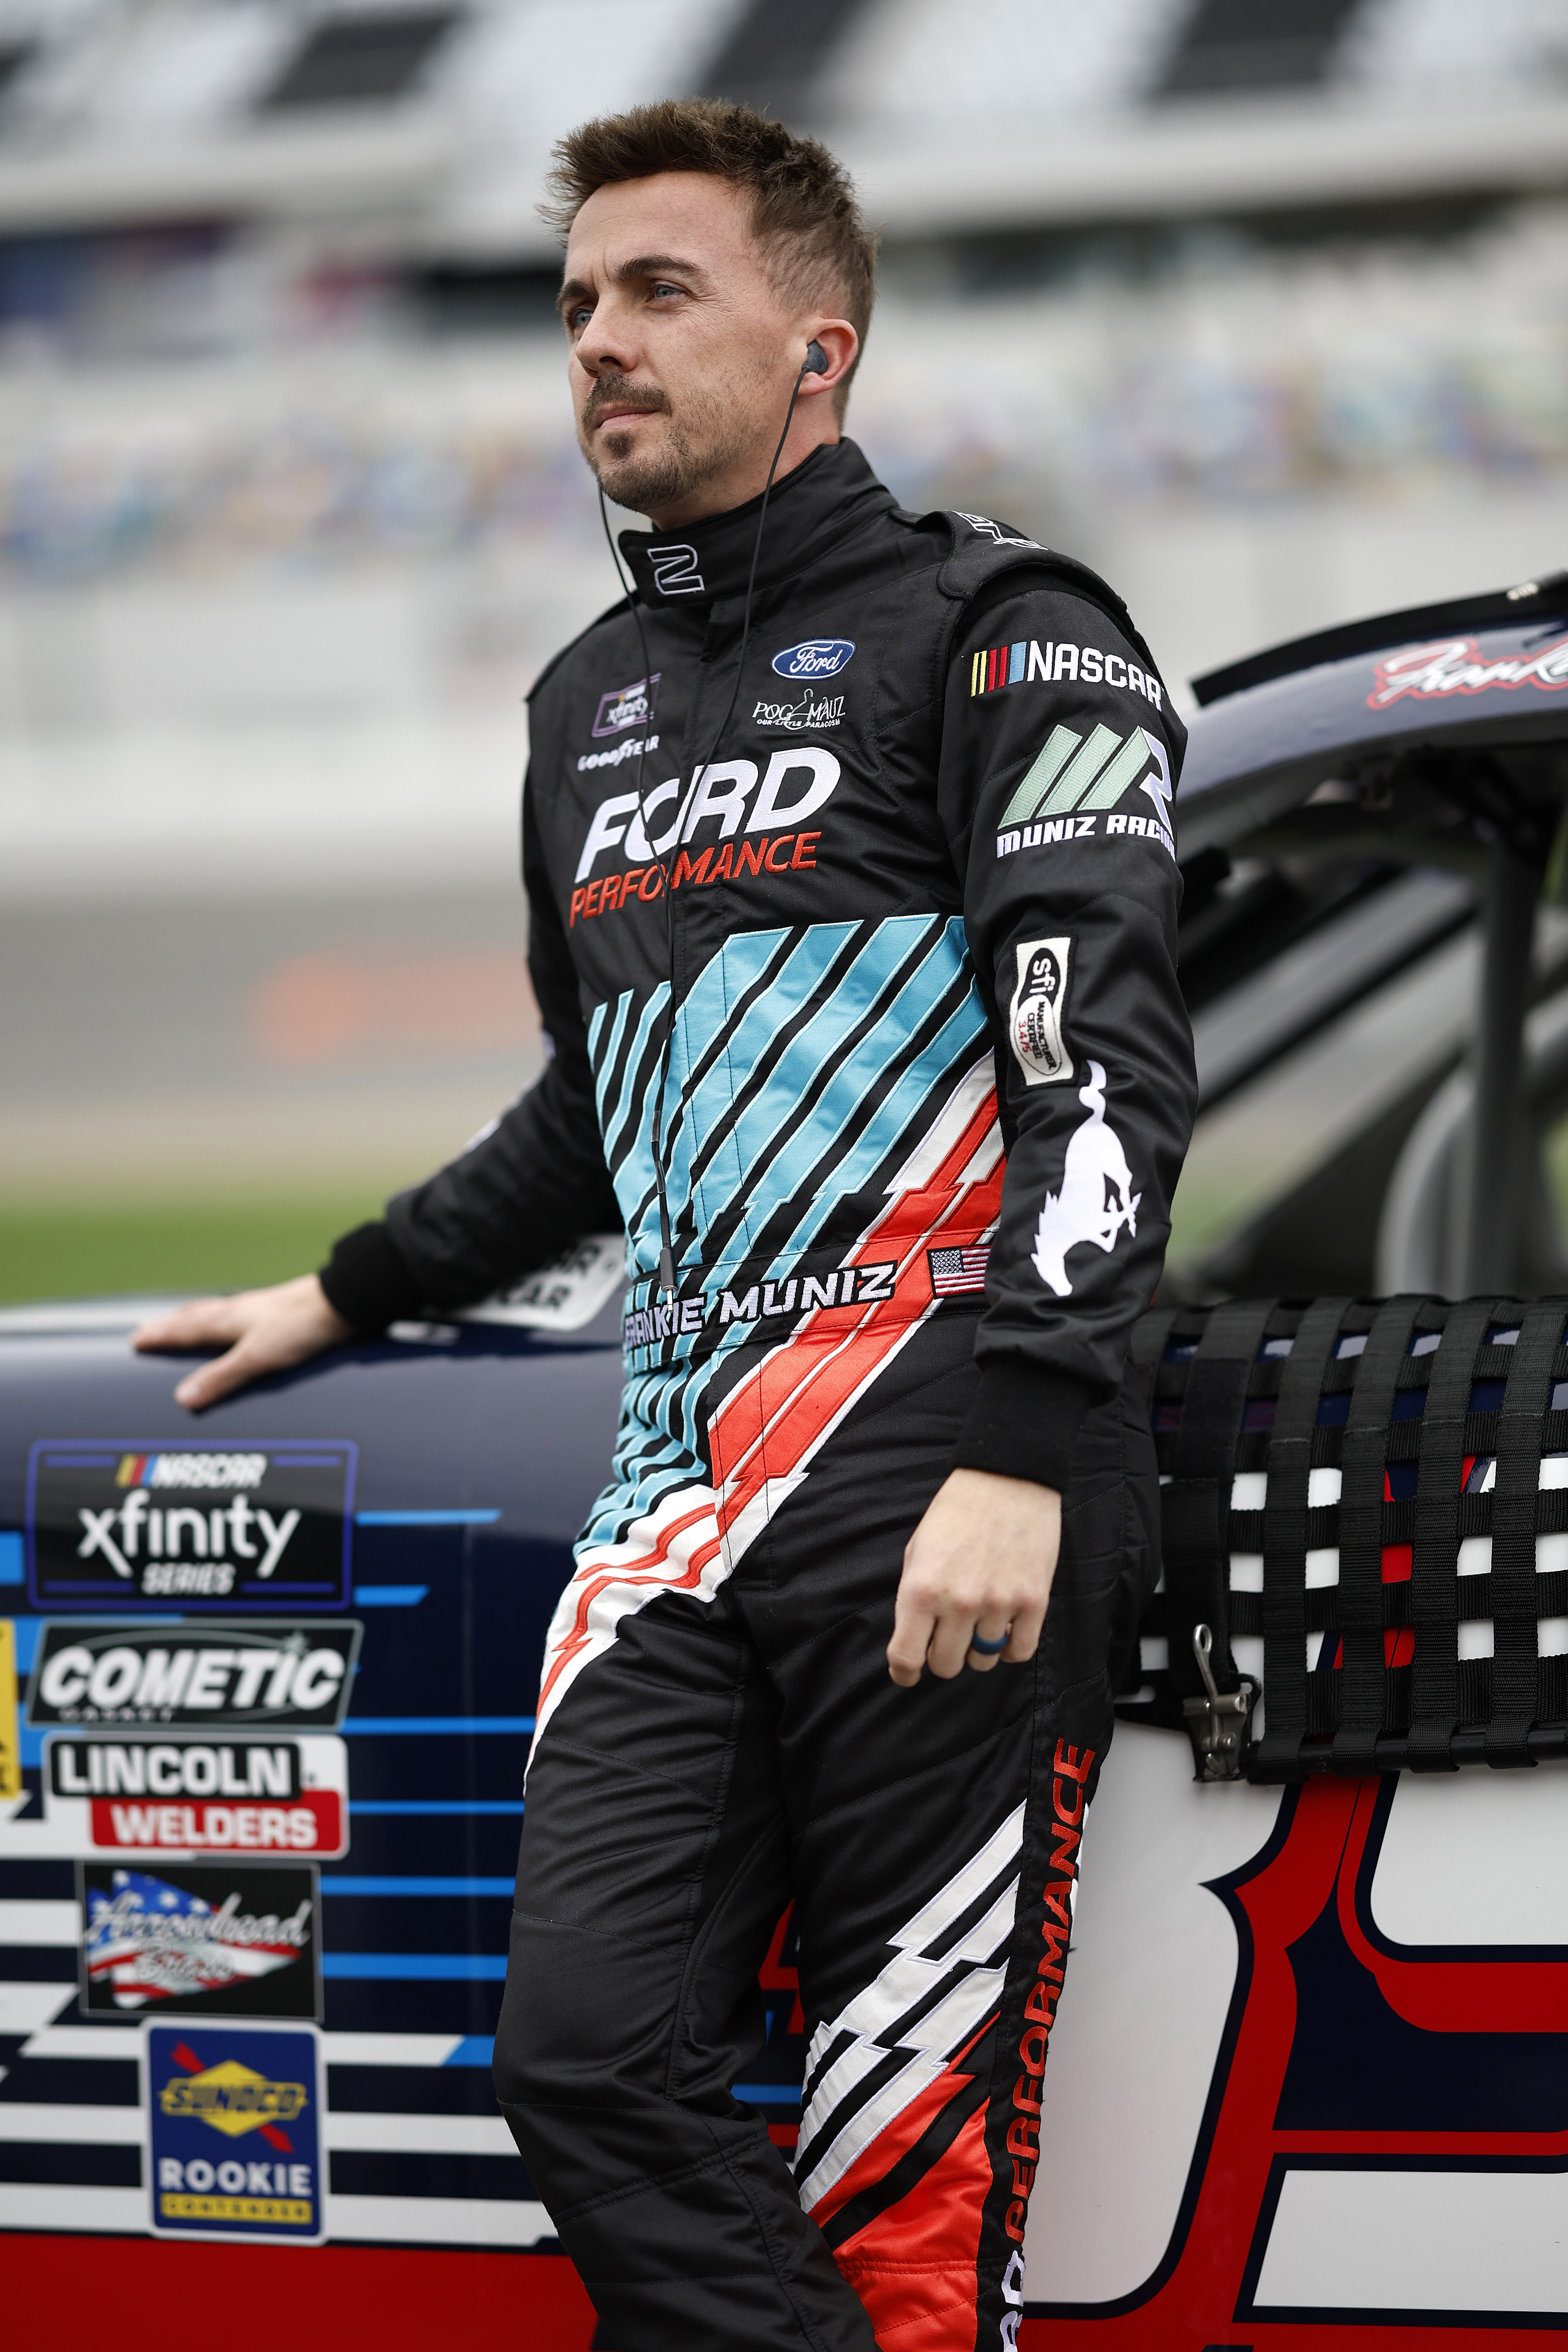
x=266, y=1676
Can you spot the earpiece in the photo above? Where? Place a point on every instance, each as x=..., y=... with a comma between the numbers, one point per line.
x=817, y=359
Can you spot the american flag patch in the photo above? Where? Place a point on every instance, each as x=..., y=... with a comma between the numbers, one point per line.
x=954, y=1270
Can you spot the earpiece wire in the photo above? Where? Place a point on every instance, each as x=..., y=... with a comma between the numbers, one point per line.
x=667, y=1247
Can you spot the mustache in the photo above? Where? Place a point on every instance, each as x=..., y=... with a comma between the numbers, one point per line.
x=620, y=392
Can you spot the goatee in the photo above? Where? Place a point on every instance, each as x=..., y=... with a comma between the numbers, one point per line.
x=657, y=479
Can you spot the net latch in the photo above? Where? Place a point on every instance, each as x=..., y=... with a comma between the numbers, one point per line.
x=1218, y=1722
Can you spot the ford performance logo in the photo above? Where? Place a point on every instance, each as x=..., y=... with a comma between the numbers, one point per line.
x=816, y=657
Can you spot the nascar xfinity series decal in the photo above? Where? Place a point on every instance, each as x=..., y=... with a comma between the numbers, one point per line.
x=228, y=1940
x=234, y=2135
x=1455, y=665
x=201, y=1526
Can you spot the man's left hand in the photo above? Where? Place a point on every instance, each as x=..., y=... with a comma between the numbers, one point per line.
x=980, y=1561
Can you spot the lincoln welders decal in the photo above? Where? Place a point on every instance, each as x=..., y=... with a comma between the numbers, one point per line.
x=125, y=1522
x=211, y=1678
x=261, y=1798
x=221, y=1939
x=234, y=2132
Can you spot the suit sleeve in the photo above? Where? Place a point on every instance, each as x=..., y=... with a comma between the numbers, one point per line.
x=526, y=1186
x=1060, y=753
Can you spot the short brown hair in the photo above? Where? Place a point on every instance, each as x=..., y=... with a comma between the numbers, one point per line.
x=804, y=214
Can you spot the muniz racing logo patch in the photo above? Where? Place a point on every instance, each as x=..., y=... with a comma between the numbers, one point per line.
x=1034, y=1014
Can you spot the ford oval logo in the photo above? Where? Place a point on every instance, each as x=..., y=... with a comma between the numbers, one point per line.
x=816, y=657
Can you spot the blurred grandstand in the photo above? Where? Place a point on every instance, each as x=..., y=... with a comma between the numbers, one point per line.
x=1262, y=305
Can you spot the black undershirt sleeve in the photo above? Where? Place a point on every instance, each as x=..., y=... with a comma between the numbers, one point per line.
x=526, y=1187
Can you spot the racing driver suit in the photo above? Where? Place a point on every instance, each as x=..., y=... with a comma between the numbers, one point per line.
x=908, y=942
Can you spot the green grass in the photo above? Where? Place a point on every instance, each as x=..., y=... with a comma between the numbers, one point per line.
x=77, y=1250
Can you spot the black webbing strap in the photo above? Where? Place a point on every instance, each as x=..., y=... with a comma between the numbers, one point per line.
x=1364, y=1461
x=1514, y=1506
x=1194, y=1509
x=1434, y=1573
x=1279, y=1753
x=1150, y=1334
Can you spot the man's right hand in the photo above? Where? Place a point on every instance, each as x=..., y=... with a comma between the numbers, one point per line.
x=262, y=1331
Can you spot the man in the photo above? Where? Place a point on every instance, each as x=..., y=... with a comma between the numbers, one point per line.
x=852, y=905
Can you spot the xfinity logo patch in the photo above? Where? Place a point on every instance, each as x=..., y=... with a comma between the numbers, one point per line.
x=628, y=705
x=675, y=571
x=814, y=657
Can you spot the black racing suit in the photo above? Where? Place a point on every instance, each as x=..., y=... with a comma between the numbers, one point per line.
x=930, y=1082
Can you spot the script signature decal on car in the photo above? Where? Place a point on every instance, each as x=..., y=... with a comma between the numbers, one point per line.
x=1455, y=665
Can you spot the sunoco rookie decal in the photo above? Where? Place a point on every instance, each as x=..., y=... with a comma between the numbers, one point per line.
x=234, y=2132
x=130, y=1523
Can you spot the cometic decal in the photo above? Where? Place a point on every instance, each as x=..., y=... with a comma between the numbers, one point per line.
x=228, y=1940
x=128, y=1522
x=233, y=2133
x=216, y=1678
